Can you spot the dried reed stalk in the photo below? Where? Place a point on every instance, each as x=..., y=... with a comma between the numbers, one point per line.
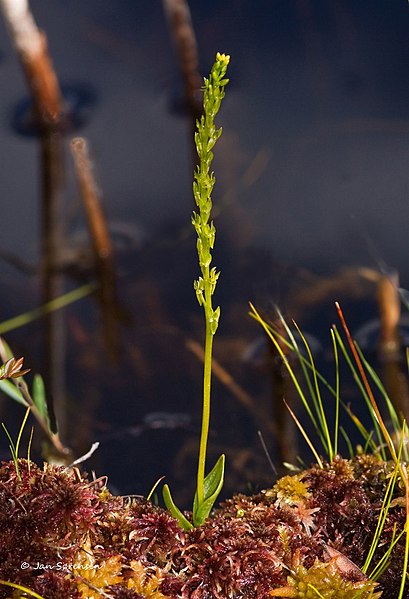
x=184, y=39
x=31, y=46
x=100, y=237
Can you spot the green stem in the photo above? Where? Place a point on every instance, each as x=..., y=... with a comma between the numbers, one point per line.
x=207, y=375
x=207, y=487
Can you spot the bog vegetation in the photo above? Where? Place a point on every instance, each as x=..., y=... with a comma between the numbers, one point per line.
x=336, y=529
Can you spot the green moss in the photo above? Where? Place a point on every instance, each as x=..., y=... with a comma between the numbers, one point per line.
x=324, y=580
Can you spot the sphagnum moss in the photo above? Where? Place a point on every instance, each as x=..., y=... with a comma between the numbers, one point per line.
x=77, y=541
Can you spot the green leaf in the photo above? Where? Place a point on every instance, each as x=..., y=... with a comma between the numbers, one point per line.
x=6, y=350
x=11, y=390
x=39, y=399
x=175, y=511
x=213, y=484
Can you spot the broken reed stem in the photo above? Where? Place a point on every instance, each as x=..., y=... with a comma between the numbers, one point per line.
x=100, y=237
x=90, y=197
x=31, y=46
x=184, y=39
x=389, y=350
x=389, y=308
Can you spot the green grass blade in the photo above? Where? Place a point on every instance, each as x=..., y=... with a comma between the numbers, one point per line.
x=366, y=435
x=11, y=446
x=384, y=561
x=382, y=516
x=20, y=432
x=30, y=441
x=362, y=389
x=396, y=423
x=348, y=442
x=405, y=560
x=337, y=391
x=306, y=366
x=152, y=491
x=293, y=347
x=306, y=437
x=368, y=444
x=316, y=591
x=290, y=370
x=19, y=587
x=317, y=399
x=55, y=304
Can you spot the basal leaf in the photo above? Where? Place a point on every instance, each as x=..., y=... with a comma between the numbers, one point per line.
x=174, y=510
x=212, y=480
x=213, y=484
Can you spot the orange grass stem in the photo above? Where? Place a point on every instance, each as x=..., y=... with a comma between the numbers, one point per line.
x=366, y=383
x=402, y=469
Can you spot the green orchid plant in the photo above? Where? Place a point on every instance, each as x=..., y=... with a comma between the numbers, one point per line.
x=208, y=486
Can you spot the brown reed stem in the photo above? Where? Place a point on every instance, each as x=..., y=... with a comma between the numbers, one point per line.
x=101, y=240
x=31, y=46
x=184, y=40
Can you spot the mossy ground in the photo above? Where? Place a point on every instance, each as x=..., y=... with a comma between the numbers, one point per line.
x=66, y=537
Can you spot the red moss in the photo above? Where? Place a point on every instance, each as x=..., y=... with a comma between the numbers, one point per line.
x=51, y=585
x=119, y=592
x=246, y=549
x=138, y=530
x=43, y=519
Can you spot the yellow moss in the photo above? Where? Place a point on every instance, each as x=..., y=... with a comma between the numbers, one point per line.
x=98, y=574
x=324, y=581
x=146, y=581
x=289, y=490
x=104, y=494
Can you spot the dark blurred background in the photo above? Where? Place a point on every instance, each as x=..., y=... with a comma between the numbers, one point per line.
x=311, y=199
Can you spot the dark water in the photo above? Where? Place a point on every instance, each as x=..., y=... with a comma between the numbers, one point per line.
x=311, y=178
